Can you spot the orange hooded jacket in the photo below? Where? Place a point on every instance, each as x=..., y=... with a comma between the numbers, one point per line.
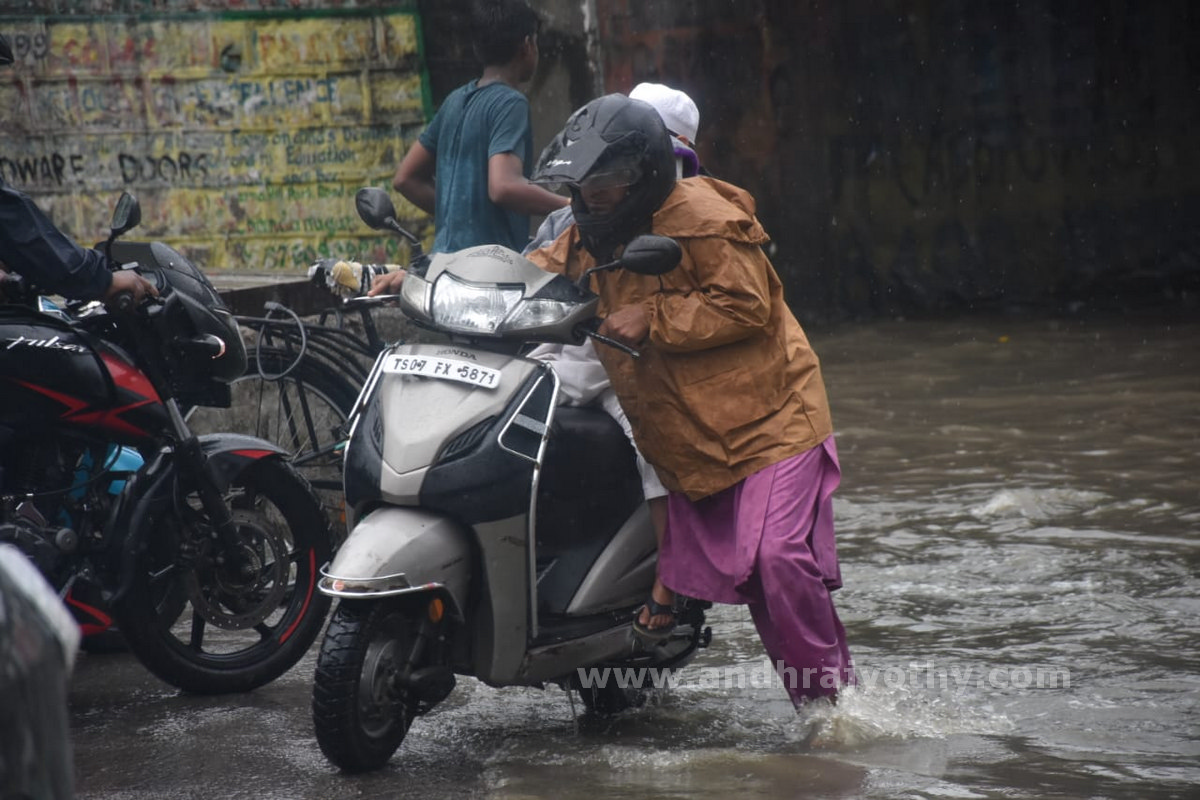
x=727, y=384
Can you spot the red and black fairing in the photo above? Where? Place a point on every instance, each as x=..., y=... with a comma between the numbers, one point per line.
x=53, y=374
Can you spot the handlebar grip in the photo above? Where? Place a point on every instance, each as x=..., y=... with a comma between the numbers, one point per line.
x=122, y=302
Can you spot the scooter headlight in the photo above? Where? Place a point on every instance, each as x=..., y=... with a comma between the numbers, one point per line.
x=537, y=313
x=471, y=308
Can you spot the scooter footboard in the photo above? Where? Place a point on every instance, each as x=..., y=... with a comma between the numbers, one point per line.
x=395, y=551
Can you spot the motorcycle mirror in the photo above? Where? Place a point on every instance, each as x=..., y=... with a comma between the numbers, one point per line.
x=375, y=208
x=651, y=255
x=127, y=214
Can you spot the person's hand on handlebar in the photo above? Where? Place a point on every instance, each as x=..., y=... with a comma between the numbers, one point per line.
x=127, y=280
x=388, y=283
x=628, y=325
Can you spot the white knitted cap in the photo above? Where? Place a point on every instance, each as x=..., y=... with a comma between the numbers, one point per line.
x=677, y=110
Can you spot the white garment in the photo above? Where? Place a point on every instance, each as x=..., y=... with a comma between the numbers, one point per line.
x=583, y=382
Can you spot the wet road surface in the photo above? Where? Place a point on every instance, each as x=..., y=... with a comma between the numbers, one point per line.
x=1019, y=530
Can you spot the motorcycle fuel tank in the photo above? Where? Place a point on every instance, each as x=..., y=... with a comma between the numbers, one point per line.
x=52, y=373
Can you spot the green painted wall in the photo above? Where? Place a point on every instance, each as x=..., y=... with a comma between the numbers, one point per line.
x=244, y=132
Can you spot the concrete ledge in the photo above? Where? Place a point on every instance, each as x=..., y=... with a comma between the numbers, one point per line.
x=245, y=295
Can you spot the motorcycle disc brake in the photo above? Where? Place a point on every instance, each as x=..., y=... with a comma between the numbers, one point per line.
x=238, y=592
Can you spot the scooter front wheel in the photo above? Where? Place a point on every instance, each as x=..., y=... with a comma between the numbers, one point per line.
x=361, y=711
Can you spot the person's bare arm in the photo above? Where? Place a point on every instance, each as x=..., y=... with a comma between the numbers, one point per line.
x=415, y=178
x=509, y=189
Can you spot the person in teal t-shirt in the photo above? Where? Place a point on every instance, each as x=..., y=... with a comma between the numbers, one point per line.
x=470, y=167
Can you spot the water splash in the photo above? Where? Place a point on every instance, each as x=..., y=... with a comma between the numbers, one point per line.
x=1037, y=504
x=869, y=714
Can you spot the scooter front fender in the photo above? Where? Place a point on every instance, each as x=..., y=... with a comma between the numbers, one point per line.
x=396, y=551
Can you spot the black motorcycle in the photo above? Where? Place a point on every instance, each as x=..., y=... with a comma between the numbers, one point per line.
x=206, y=549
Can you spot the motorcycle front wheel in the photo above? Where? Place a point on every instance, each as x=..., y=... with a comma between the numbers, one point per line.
x=360, y=711
x=250, y=614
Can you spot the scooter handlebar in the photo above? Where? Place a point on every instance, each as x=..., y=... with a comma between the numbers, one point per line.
x=590, y=331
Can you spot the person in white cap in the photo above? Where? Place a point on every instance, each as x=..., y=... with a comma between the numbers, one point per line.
x=581, y=375
x=682, y=118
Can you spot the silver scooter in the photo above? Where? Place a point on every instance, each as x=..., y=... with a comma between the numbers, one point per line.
x=493, y=533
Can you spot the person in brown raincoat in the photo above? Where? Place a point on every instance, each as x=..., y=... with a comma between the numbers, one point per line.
x=727, y=399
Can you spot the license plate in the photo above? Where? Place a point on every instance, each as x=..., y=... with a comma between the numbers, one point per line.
x=449, y=369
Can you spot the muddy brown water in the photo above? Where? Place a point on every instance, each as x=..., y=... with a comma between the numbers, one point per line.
x=1019, y=529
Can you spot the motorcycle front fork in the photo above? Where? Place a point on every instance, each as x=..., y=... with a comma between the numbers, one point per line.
x=194, y=464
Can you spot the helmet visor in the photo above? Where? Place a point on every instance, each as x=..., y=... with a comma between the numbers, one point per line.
x=613, y=178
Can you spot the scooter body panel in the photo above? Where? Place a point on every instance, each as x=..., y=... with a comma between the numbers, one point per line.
x=620, y=574
x=420, y=407
x=395, y=551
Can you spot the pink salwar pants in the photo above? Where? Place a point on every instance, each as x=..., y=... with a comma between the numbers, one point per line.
x=768, y=542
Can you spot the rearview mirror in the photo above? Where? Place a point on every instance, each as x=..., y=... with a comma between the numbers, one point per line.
x=375, y=208
x=651, y=255
x=127, y=215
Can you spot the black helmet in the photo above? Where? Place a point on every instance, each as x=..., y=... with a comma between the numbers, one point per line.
x=608, y=134
x=6, y=51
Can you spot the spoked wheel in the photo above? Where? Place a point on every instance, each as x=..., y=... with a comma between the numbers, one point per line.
x=364, y=698
x=304, y=412
x=212, y=619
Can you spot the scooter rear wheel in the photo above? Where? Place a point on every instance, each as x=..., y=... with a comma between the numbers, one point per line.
x=359, y=713
x=610, y=698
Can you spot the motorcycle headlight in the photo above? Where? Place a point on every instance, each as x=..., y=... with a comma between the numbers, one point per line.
x=537, y=314
x=469, y=308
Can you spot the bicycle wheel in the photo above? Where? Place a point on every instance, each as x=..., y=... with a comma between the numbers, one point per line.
x=303, y=412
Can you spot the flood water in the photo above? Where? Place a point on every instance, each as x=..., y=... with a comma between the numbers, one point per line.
x=1019, y=531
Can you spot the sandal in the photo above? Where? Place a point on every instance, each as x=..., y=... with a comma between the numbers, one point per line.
x=656, y=609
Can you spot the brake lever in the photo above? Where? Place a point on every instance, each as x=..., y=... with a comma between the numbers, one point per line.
x=368, y=302
x=612, y=343
x=123, y=303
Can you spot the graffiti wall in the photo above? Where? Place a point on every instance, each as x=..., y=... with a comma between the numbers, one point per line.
x=244, y=134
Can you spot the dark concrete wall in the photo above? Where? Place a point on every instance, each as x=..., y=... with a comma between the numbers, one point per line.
x=917, y=156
